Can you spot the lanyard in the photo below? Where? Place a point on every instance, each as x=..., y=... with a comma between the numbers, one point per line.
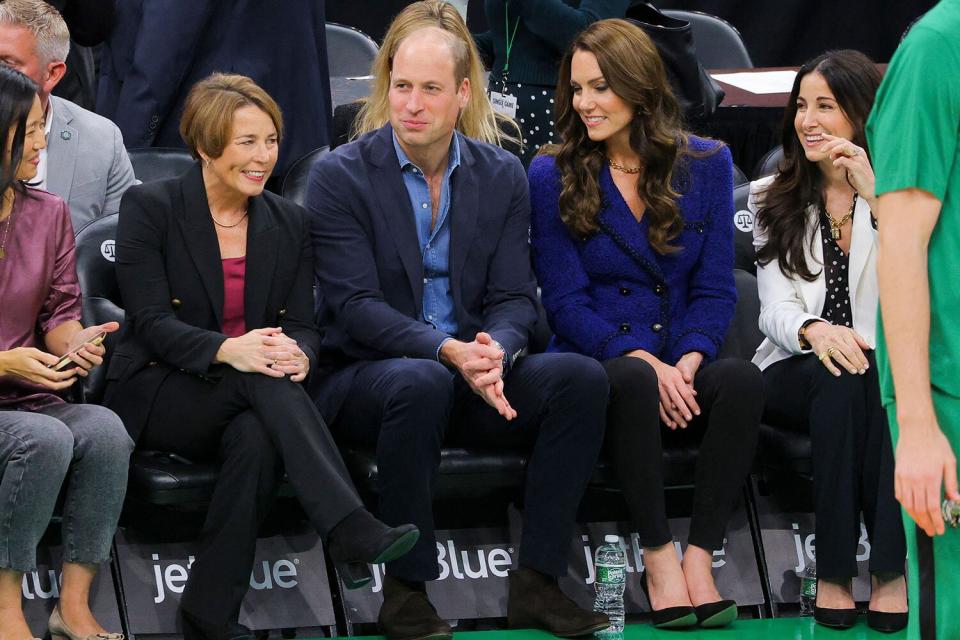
x=509, y=37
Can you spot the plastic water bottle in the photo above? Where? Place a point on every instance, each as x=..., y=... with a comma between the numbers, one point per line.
x=808, y=589
x=611, y=571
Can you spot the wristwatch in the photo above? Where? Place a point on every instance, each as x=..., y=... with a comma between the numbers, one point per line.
x=802, y=333
x=505, y=363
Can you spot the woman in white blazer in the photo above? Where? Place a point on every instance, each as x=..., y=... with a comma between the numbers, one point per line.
x=816, y=244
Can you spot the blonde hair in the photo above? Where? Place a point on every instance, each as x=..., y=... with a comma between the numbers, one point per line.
x=208, y=112
x=45, y=23
x=478, y=119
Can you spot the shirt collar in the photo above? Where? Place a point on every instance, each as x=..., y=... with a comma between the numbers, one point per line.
x=452, y=163
x=48, y=124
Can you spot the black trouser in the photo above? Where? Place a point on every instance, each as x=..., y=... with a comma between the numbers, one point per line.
x=852, y=460
x=730, y=396
x=252, y=424
x=404, y=407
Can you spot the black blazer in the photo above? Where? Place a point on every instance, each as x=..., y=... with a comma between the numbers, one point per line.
x=171, y=281
x=370, y=267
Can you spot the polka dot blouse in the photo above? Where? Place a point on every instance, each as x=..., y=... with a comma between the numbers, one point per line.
x=836, y=305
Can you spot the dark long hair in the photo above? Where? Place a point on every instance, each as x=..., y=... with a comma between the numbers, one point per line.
x=853, y=78
x=634, y=71
x=17, y=93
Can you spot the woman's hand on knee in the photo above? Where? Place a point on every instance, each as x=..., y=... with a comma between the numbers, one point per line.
x=34, y=365
x=678, y=403
x=249, y=352
x=838, y=346
x=287, y=357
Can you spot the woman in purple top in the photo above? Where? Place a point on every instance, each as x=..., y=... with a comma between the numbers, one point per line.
x=44, y=441
x=633, y=247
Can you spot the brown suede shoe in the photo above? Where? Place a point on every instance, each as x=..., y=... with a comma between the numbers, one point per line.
x=536, y=601
x=407, y=614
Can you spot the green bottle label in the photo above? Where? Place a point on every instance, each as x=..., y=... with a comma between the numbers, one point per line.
x=610, y=575
x=809, y=587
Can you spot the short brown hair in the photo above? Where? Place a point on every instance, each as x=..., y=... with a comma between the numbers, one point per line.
x=211, y=103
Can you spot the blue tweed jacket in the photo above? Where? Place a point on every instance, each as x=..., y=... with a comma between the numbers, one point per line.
x=612, y=293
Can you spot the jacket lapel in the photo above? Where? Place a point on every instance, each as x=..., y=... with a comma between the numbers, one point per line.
x=618, y=222
x=262, y=251
x=394, y=209
x=463, y=216
x=61, y=150
x=813, y=293
x=201, y=238
x=862, y=244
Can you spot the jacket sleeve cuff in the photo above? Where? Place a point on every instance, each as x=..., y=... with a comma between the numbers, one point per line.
x=700, y=342
x=616, y=345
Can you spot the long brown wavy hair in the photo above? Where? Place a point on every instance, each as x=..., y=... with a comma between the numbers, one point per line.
x=634, y=71
x=853, y=78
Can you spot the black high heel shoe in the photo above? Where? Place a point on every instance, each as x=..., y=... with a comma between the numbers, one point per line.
x=886, y=622
x=680, y=617
x=834, y=618
x=716, y=614
x=360, y=540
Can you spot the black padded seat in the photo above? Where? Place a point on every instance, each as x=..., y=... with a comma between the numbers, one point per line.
x=350, y=52
x=294, y=186
x=719, y=45
x=159, y=163
x=166, y=479
x=769, y=164
x=786, y=450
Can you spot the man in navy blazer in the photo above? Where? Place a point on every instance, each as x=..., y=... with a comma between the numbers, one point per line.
x=421, y=249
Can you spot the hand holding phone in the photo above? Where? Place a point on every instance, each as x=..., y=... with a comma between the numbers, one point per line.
x=95, y=341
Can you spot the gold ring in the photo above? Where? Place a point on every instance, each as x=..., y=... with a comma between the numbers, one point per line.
x=851, y=151
x=831, y=351
x=823, y=356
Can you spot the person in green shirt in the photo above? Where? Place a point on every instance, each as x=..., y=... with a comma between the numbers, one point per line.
x=913, y=132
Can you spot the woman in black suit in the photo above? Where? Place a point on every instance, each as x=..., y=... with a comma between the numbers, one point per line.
x=216, y=276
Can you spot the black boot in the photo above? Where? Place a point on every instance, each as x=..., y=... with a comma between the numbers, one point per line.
x=360, y=539
x=536, y=601
x=406, y=613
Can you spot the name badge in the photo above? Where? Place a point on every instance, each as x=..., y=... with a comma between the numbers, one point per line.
x=504, y=103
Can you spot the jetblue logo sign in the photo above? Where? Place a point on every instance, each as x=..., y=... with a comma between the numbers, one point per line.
x=288, y=584
x=473, y=567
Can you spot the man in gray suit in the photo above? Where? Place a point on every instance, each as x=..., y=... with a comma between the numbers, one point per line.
x=85, y=162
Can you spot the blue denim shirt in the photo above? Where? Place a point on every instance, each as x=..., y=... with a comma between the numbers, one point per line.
x=438, y=307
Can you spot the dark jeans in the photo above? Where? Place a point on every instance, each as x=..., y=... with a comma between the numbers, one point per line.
x=852, y=460
x=730, y=396
x=404, y=406
x=253, y=425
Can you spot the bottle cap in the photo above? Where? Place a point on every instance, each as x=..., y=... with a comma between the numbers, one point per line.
x=611, y=539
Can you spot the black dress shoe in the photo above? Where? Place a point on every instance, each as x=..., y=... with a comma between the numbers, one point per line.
x=716, y=614
x=195, y=628
x=835, y=618
x=406, y=614
x=536, y=602
x=886, y=622
x=680, y=617
x=360, y=540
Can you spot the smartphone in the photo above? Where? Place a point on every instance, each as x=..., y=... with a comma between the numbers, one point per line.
x=96, y=341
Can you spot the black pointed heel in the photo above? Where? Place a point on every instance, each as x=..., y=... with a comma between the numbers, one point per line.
x=716, y=614
x=672, y=617
x=834, y=618
x=885, y=621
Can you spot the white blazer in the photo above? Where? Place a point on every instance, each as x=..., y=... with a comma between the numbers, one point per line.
x=786, y=303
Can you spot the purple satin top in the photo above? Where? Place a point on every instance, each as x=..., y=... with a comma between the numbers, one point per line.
x=39, y=290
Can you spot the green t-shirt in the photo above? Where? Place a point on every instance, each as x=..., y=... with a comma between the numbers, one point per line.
x=914, y=137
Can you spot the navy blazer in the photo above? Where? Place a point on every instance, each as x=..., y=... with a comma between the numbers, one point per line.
x=158, y=50
x=612, y=293
x=171, y=280
x=369, y=264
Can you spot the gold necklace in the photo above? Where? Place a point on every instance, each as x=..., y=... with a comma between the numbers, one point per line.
x=229, y=226
x=835, y=224
x=6, y=233
x=623, y=169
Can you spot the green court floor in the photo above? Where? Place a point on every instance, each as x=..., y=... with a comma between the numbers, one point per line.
x=779, y=628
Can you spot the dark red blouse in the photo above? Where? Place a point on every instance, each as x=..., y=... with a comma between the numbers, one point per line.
x=234, y=272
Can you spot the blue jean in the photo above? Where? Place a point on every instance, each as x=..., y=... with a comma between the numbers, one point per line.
x=86, y=445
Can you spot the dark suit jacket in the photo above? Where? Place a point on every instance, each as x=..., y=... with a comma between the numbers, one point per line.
x=158, y=50
x=370, y=268
x=171, y=281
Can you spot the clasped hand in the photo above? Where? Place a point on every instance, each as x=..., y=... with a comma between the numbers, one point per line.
x=678, y=398
x=481, y=364
x=267, y=351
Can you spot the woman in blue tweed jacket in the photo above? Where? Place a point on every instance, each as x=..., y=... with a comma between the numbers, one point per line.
x=633, y=247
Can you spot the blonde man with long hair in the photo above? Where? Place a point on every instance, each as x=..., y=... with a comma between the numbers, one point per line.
x=477, y=120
